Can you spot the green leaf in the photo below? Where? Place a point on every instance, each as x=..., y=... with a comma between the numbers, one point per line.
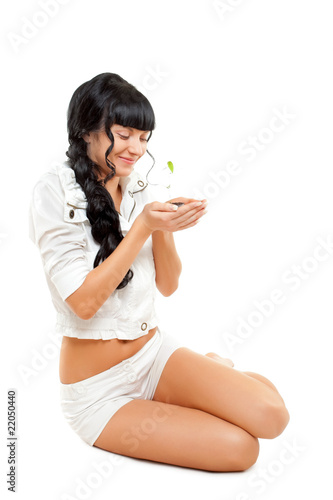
x=170, y=165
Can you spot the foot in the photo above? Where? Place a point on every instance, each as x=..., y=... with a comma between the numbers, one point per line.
x=223, y=361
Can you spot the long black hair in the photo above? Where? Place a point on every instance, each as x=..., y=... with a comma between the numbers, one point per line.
x=96, y=105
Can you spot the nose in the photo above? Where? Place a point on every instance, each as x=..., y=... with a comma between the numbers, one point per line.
x=137, y=146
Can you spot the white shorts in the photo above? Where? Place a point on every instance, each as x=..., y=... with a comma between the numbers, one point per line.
x=89, y=404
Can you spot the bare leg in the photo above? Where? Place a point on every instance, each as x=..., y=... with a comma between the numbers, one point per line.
x=224, y=361
x=177, y=435
x=196, y=381
x=228, y=362
x=204, y=415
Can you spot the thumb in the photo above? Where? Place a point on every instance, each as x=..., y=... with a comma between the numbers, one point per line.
x=163, y=207
x=171, y=207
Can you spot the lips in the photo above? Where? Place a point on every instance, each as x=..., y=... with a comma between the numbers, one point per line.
x=127, y=160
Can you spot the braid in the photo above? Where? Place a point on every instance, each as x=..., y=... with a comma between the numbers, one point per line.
x=96, y=105
x=101, y=212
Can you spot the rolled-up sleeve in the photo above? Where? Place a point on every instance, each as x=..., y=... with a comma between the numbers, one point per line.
x=62, y=244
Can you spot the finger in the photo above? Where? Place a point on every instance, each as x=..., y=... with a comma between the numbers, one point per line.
x=193, y=215
x=188, y=223
x=178, y=203
x=186, y=200
x=189, y=207
x=189, y=216
x=164, y=207
x=187, y=226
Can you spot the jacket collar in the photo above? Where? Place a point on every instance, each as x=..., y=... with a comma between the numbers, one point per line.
x=132, y=183
x=75, y=196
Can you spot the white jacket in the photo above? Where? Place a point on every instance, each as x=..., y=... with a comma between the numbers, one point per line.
x=61, y=230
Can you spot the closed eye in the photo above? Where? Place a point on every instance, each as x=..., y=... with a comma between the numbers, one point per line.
x=124, y=137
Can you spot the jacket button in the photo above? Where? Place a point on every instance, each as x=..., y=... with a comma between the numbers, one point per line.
x=144, y=326
x=71, y=214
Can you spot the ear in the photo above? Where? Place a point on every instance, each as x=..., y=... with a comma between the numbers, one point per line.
x=86, y=137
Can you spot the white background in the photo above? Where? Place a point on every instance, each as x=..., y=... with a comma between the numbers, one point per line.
x=214, y=79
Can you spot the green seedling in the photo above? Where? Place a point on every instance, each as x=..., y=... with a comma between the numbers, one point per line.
x=170, y=165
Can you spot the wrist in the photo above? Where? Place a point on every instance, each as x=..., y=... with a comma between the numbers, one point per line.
x=142, y=226
x=163, y=235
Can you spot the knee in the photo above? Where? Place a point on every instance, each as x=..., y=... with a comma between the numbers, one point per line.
x=245, y=452
x=274, y=418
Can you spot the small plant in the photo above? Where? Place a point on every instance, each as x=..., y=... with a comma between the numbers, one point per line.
x=163, y=175
x=170, y=165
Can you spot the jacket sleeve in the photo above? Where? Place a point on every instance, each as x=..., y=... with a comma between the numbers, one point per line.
x=61, y=241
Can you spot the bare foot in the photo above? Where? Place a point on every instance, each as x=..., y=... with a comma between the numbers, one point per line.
x=224, y=361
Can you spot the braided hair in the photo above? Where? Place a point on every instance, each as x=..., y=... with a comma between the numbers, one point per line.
x=96, y=105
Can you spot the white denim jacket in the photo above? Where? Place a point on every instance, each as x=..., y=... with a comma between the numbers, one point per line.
x=61, y=230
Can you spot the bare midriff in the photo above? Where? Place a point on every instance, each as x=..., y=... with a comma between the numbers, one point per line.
x=83, y=358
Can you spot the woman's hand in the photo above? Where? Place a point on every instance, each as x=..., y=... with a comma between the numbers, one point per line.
x=159, y=216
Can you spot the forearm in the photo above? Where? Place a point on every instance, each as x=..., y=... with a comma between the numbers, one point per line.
x=167, y=262
x=104, y=279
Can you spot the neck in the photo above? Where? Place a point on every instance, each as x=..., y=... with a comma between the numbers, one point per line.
x=114, y=188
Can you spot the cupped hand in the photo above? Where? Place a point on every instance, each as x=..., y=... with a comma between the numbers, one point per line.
x=159, y=216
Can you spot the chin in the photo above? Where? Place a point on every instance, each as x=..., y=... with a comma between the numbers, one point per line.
x=123, y=171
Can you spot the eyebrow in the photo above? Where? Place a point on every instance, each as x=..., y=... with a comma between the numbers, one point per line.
x=130, y=128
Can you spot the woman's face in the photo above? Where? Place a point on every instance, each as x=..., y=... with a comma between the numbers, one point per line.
x=129, y=145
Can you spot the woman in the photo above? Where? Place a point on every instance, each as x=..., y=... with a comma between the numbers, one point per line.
x=106, y=244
